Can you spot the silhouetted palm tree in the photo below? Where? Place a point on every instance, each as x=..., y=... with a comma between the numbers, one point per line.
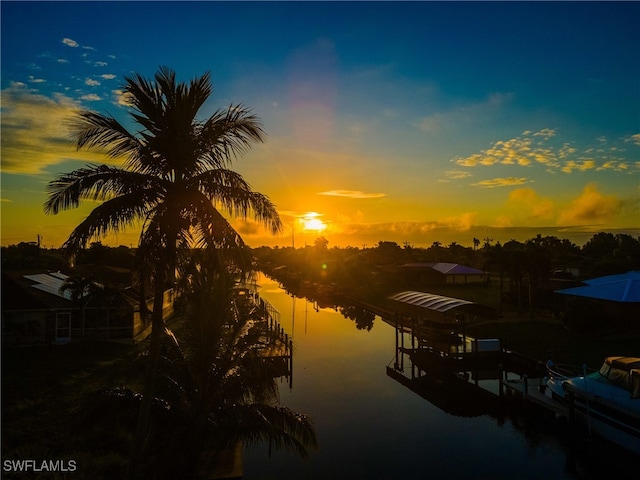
x=218, y=388
x=174, y=180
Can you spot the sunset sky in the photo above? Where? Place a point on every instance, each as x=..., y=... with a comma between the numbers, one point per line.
x=409, y=122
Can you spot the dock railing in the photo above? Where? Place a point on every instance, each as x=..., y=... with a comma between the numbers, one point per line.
x=278, y=345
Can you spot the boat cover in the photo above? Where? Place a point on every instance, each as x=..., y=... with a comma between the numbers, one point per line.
x=623, y=371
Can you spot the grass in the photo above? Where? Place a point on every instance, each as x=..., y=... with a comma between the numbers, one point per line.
x=43, y=387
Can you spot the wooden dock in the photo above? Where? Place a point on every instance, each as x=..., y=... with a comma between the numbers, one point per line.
x=531, y=390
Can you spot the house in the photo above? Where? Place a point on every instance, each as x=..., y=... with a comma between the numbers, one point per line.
x=615, y=298
x=439, y=273
x=36, y=309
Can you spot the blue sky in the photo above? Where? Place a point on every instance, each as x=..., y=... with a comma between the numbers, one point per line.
x=410, y=122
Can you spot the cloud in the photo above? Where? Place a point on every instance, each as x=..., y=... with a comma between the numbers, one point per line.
x=247, y=227
x=70, y=43
x=614, y=165
x=590, y=207
x=464, y=115
x=500, y=182
x=33, y=79
x=91, y=82
x=108, y=76
x=352, y=194
x=460, y=223
x=91, y=97
x=121, y=98
x=100, y=64
x=527, y=201
x=35, y=133
x=546, y=133
x=458, y=174
x=635, y=139
x=583, y=166
x=523, y=150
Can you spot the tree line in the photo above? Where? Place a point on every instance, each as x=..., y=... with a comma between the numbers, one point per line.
x=542, y=256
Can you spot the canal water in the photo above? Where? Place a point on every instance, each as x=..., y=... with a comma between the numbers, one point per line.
x=370, y=426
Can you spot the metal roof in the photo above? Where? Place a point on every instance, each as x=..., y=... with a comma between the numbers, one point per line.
x=431, y=301
x=447, y=268
x=624, y=288
x=50, y=283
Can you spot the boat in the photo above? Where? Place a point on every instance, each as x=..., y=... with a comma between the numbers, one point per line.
x=557, y=374
x=607, y=401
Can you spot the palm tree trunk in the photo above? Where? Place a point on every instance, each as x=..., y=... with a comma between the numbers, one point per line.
x=144, y=416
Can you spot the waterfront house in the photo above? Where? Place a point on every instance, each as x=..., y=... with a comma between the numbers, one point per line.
x=426, y=273
x=36, y=309
x=612, y=298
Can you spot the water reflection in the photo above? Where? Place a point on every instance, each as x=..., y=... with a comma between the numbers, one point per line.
x=373, y=425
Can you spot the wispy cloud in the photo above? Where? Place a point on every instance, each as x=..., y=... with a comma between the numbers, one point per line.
x=590, y=207
x=351, y=194
x=91, y=97
x=91, y=82
x=458, y=174
x=615, y=165
x=522, y=150
x=527, y=201
x=108, y=76
x=70, y=43
x=33, y=79
x=464, y=115
x=533, y=148
x=581, y=166
x=35, y=131
x=500, y=182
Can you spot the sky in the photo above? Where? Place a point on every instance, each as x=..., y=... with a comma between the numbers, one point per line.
x=411, y=122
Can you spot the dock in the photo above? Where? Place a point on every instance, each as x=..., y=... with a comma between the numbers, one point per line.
x=532, y=390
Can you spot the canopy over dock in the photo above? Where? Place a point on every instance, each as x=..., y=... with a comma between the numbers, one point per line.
x=437, y=307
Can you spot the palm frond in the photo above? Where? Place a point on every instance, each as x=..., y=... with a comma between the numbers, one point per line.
x=98, y=182
x=111, y=216
x=279, y=426
x=147, y=99
x=93, y=130
x=229, y=189
x=228, y=134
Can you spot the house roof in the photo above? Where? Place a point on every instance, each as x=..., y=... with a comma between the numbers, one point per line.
x=446, y=268
x=51, y=282
x=623, y=288
x=23, y=290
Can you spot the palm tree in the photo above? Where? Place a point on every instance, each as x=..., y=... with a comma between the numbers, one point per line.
x=218, y=391
x=175, y=181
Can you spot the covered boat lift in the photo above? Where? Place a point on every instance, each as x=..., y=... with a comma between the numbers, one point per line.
x=438, y=309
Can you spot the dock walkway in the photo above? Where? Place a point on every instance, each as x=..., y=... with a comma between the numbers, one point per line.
x=529, y=389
